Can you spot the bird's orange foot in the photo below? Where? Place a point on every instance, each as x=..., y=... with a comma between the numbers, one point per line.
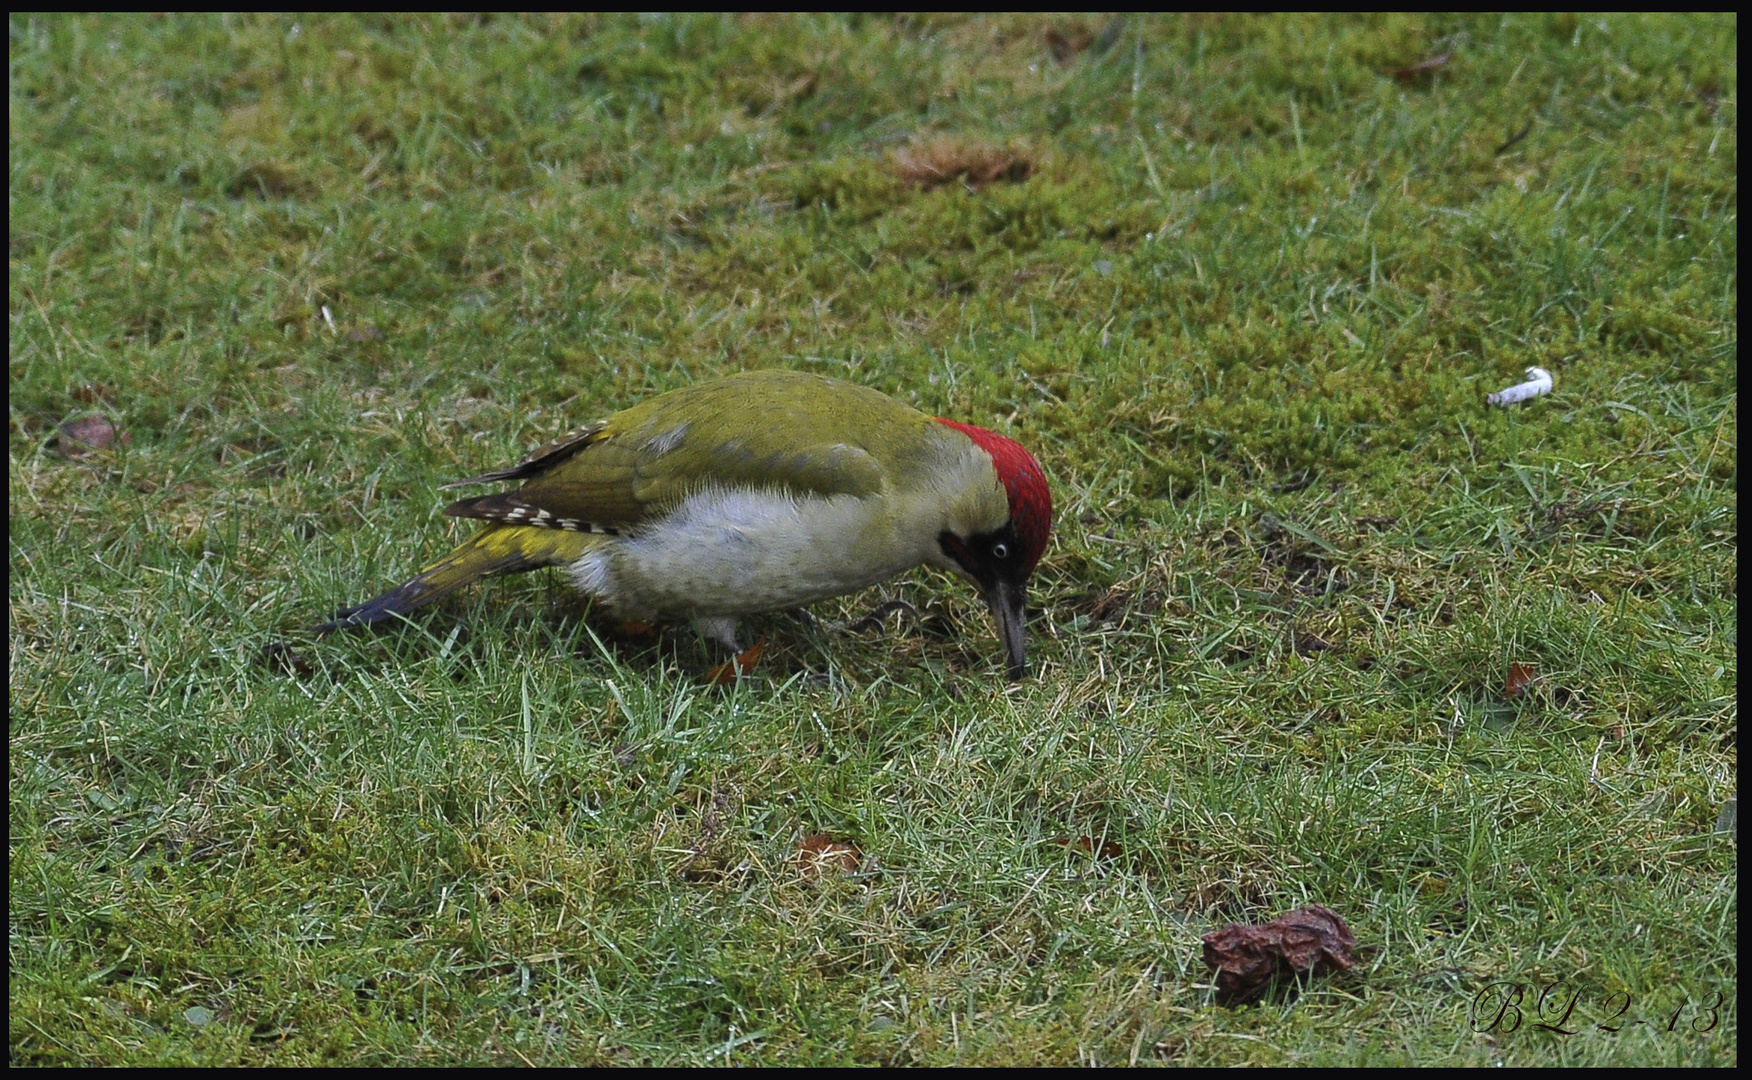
x=743, y=663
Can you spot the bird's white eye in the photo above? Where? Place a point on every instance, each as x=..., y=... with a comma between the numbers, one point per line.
x=1000, y=551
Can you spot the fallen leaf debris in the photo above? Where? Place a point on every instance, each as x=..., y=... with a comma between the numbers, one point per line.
x=1306, y=941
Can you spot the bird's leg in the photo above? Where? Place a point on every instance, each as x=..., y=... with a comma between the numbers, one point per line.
x=723, y=630
x=719, y=628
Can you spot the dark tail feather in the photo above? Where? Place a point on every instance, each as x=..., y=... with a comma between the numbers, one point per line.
x=467, y=564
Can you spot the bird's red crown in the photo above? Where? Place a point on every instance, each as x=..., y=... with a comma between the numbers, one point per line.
x=1030, y=499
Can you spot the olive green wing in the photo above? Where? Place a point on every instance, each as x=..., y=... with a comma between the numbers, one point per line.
x=787, y=431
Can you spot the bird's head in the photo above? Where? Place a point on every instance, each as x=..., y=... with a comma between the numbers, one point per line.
x=999, y=556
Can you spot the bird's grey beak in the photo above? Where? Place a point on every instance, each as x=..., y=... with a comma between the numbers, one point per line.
x=1008, y=604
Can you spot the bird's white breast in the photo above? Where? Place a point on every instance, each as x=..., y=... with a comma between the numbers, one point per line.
x=736, y=551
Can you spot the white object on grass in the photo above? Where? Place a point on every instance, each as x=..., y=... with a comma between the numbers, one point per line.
x=1538, y=382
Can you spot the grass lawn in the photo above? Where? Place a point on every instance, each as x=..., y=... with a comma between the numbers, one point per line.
x=1242, y=284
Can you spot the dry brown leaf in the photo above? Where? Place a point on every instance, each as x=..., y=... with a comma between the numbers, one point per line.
x=1520, y=678
x=1305, y=941
x=931, y=163
x=819, y=853
x=92, y=433
x=742, y=663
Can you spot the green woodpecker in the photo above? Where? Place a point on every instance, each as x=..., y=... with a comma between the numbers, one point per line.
x=761, y=491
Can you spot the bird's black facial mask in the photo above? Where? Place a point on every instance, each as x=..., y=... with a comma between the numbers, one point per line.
x=996, y=562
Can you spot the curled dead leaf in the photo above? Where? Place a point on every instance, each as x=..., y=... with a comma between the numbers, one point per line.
x=1305, y=941
x=742, y=663
x=90, y=434
x=820, y=853
x=931, y=163
x=1520, y=678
